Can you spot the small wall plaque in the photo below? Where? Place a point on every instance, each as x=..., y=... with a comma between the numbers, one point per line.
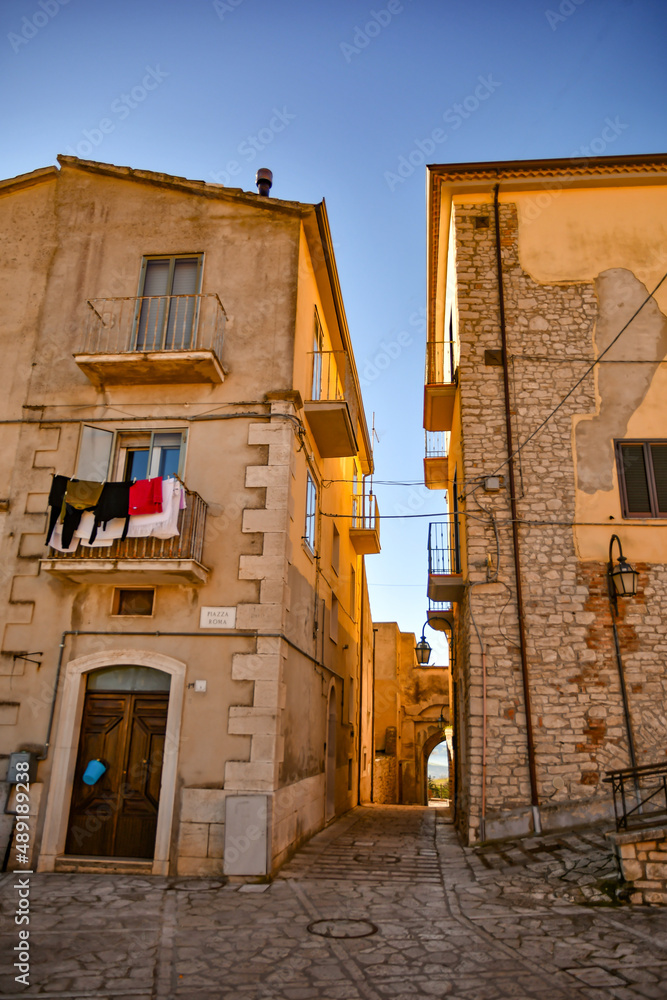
x=217, y=617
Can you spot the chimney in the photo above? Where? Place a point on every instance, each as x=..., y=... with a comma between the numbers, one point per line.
x=264, y=181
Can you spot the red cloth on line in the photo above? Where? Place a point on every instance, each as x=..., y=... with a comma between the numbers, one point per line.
x=146, y=496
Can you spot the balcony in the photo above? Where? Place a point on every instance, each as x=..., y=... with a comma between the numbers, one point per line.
x=138, y=561
x=436, y=461
x=331, y=415
x=365, y=527
x=153, y=340
x=441, y=382
x=445, y=580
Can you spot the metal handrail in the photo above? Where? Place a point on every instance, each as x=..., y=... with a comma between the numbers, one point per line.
x=153, y=323
x=437, y=444
x=444, y=557
x=630, y=803
x=188, y=544
x=441, y=362
x=365, y=513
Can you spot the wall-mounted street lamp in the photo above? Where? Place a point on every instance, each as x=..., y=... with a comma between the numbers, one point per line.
x=423, y=649
x=621, y=582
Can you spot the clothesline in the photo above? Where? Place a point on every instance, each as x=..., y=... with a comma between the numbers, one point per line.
x=95, y=514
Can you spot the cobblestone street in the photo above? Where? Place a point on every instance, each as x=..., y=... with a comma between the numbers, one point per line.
x=384, y=905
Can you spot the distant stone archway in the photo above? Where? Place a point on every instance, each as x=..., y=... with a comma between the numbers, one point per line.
x=429, y=746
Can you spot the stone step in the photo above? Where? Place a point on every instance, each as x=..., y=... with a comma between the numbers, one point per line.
x=102, y=866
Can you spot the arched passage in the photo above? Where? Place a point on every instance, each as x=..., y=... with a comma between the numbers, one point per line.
x=437, y=739
x=66, y=745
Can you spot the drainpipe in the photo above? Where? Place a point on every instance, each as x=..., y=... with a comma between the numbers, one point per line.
x=530, y=743
x=482, y=822
x=373, y=722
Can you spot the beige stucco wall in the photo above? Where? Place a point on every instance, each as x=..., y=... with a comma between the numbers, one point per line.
x=260, y=727
x=409, y=700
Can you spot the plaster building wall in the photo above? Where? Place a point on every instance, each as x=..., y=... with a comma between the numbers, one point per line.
x=409, y=700
x=578, y=260
x=245, y=776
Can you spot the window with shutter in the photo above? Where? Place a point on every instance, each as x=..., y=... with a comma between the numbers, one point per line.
x=166, y=319
x=642, y=472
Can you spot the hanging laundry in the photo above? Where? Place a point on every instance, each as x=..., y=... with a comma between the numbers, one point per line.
x=164, y=524
x=80, y=495
x=56, y=540
x=56, y=498
x=169, y=527
x=146, y=496
x=114, y=502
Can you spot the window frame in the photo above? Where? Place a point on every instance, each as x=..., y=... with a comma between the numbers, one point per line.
x=655, y=514
x=164, y=322
x=116, y=463
x=310, y=521
x=117, y=602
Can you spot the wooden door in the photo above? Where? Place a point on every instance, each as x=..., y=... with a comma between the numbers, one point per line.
x=117, y=816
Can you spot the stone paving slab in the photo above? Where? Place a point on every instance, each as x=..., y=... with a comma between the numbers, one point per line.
x=522, y=920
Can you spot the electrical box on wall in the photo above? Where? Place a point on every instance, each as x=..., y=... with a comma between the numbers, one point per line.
x=15, y=775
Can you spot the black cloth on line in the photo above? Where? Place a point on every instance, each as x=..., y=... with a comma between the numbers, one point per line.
x=56, y=497
x=114, y=502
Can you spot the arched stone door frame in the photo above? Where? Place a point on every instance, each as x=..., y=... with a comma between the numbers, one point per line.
x=66, y=745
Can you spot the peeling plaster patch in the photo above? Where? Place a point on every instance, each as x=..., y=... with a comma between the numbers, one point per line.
x=621, y=388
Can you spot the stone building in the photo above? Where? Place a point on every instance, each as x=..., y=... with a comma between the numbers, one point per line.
x=411, y=713
x=217, y=669
x=546, y=421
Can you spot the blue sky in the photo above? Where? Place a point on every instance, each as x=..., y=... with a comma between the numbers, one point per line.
x=340, y=100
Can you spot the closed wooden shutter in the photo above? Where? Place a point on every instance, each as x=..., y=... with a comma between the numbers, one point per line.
x=636, y=481
x=659, y=458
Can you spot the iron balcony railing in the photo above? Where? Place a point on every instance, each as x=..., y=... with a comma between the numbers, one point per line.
x=332, y=380
x=437, y=444
x=188, y=544
x=365, y=514
x=640, y=795
x=331, y=377
x=441, y=362
x=155, y=323
x=444, y=556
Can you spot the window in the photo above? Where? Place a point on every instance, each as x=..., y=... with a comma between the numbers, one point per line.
x=333, y=621
x=311, y=512
x=167, y=307
x=133, y=602
x=94, y=454
x=353, y=593
x=335, y=549
x=146, y=454
x=136, y=455
x=642, y=474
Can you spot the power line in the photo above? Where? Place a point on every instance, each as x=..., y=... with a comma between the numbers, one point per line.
x=576, y=385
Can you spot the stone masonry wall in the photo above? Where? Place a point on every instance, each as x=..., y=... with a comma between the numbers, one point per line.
x=385, y=780
x=576, y=704
x=642, y=855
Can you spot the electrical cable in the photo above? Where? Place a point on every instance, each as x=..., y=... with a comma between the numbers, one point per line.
x=576, y=385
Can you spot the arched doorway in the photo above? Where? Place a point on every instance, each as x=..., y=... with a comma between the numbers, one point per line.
x=116, y=790
x=67, y=741
x=330, y=762
x=438, y=771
